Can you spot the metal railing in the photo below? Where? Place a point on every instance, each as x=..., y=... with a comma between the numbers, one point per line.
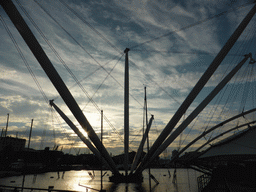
x=202, y=181
x=4, y=188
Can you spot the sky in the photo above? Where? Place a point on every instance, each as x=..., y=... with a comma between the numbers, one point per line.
x=171, y=45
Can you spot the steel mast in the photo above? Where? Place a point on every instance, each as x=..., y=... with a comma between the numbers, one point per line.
x=126, y=113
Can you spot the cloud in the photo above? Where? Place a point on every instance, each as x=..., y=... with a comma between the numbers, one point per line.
x=162, y=64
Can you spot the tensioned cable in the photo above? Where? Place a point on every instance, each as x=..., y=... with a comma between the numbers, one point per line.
x=44, y=129
x=229, y=54
x=243, y=46
x=97, y=32
x=103, y=82
x=29, y=69
x=89, y=25
x=163, y=35
x=246, y=86
x=182, y=52
x=109, y=73
x=191, y=25
x=178, y=51
x=101, y=66
x=66, y=67
x=233, y=94
x=91, y=57
x=239, y=79
x=248, y=45
x=24, y=59
x=154, y=82
x=211, y=110
x=99, y=35
x=249, y=78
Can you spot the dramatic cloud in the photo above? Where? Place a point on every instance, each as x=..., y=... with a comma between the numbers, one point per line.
x=85, y=42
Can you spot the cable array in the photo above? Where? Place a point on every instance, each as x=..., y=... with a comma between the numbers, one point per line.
x=247, y=76
x=191, y=25
x=24, y=60
x=68, y=69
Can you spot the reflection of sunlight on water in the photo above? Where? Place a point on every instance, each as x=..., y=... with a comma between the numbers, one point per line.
x=71, y=180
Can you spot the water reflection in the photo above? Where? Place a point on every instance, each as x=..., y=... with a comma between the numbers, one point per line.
x=127, y=187
x=186, y=180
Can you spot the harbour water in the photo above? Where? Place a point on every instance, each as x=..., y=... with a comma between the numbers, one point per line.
x=186, y=181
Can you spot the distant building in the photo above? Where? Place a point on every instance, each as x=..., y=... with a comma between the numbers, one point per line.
x=15, y=144
x=174, y=153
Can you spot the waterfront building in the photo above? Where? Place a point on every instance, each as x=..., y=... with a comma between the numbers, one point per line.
x=16, y=144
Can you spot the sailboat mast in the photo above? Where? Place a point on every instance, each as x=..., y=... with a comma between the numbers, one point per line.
x=126, y=112
x=30, y=133
x=5, y=134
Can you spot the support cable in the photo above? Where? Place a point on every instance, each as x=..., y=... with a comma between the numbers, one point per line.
x=155, y=82
x=30, y=71
x=102, y=82
x=101, y=66
x=241, y=47
x=191, y=25
x=24, y=59
x=89, y=25
x=68, y=69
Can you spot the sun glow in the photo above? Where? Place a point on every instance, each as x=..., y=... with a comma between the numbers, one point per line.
x=83, y=132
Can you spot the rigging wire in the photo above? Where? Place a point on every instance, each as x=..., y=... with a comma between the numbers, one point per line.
x=109, y=73
x=89, y=25
x=44, y=129
x=243, y=46
x=95, y=31
x=31, y=73
x=101, y=66
x=132, y=48
x=222, y=93
x=150, y=78
x=28, y=67
x=67, y=68
x=182, y=52
x=24, y=59
x=191, y=25
x=103, y=81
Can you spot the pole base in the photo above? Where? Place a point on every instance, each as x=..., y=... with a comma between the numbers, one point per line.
x=126, y=179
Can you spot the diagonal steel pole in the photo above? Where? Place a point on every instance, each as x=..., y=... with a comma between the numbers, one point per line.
x=196, y=111
x=55, y=78
x=140, y=149
x=78, y=132
x=198, y=87
x=237, y=127
x=211, y=129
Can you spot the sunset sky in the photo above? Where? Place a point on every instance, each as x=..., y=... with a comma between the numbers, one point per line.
x=172, y=43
